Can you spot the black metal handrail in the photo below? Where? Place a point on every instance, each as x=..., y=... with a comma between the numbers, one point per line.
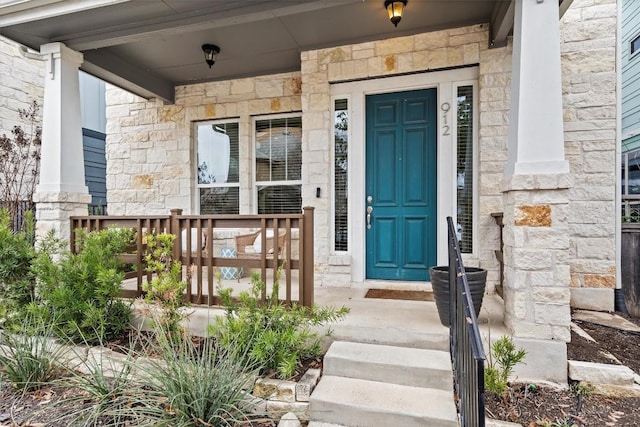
x=467, y=353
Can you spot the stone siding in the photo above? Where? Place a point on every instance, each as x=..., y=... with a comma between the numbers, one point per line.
x=420, y=53
x=22, y=83
x=150, y=148
x=588, y=32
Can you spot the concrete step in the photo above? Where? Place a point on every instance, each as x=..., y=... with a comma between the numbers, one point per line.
x=363, y=403
x=381, y=334
x=389, y=364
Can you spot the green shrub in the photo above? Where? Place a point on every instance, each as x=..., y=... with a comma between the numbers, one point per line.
x=17, y=283
x=29, y=360
x=167, y=287
x=78, y=292
x=273, y=336
x=496, y=375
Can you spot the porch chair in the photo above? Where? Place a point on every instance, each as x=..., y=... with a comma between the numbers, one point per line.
x=250, y=245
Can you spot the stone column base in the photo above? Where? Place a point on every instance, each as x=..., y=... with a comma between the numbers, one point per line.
x=53, y=210
x=537, y=274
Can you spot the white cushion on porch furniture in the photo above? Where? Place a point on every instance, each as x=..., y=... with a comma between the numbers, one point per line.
x=257, y=243
x=194, y=240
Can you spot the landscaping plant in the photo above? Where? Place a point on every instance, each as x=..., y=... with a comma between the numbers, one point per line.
x=17, y=282
x=20, y=161
x=274, y=336
x=502, y=359
x=187, y=382
x=29, y=360
x=77, y=293
x=167, y=287
x=103, y=392
x=196, y=383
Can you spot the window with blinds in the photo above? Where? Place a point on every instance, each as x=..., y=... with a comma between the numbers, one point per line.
x=218, y=180
x=278, y=165
x=340, y=174
x=464, y=182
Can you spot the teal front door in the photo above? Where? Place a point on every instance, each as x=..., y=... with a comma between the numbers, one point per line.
x=401, y=185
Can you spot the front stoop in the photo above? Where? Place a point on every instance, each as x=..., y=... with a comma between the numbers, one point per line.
x=378, y=385
x=389, y=364
x=364, y=403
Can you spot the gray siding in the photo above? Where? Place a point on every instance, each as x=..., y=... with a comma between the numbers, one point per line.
x=630, y=75
x=95, y=166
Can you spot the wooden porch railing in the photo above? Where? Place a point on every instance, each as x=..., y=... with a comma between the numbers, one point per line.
x=196, y=248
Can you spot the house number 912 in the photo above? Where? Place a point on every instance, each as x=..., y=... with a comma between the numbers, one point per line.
x=445, y=107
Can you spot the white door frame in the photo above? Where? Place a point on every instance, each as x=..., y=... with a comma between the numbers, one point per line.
x=444, y=82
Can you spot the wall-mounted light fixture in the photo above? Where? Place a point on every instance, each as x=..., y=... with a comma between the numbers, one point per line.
x=210, y=52
x=395, y=9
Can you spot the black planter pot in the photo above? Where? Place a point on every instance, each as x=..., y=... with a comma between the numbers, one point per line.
x=476, y=278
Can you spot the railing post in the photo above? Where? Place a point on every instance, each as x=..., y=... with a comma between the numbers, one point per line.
x=174, y=228
x=72, y=236
x=308, y=258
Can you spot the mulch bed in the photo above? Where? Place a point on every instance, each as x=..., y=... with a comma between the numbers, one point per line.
x=38, y=408
x=535, y=406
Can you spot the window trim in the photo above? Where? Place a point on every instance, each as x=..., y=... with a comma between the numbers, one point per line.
x=476, y=163
x=254, y=172
x=194, y=179
x=332, y=208
x=634, y=53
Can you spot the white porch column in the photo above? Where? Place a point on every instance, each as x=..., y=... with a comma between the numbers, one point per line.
x=61, y=191
x=536, y=231
x=536, y=134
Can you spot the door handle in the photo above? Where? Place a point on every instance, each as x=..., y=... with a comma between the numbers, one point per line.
x=369, y=210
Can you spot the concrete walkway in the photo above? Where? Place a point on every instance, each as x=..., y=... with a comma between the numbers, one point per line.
x=385, y=321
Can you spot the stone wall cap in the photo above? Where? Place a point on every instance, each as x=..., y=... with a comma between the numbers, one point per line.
x=549, y=181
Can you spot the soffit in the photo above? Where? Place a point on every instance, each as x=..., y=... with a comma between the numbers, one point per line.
x=149, y=47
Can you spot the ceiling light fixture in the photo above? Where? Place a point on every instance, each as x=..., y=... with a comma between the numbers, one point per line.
x=395, y=9
x=210, y=52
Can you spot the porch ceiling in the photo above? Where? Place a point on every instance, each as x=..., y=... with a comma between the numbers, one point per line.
x=150, y=46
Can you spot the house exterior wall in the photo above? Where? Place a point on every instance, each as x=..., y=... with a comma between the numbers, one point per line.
x=21, y=84
x=588, y=33
x=630, y=29
x=150, y=167
x=413, y=54
x=150, y=146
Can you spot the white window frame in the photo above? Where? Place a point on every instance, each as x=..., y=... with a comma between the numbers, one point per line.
x=255, y=182
x=333, y=177
x=476, y=162
x=198, y=186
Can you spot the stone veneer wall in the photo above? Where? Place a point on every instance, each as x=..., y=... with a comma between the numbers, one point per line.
x=588, y=32
x=22, y=82
x=149, y=146
x=418, y=53
x=150, y=149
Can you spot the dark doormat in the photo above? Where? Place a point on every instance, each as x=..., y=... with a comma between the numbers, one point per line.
x=400, y=294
